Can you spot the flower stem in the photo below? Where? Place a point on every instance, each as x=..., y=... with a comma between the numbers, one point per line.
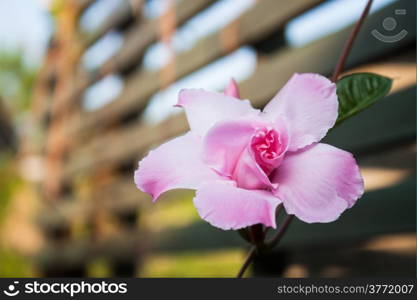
x=349, y=43
x=256, y=233
x=282, y=230
x=247, y=262
x=274, y=241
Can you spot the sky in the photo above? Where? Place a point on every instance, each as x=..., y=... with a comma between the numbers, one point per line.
x=34, y=27
x=25, y=25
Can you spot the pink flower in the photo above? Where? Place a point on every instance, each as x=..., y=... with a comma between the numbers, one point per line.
x=243, y=162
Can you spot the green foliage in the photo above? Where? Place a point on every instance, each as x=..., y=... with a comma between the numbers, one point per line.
x=220, y=263
x=13, y=264
x=9, y=182
x=16, y=79
x=16, y=83
x=359, y=91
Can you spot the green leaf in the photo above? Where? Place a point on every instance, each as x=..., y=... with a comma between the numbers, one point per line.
x=359, y=91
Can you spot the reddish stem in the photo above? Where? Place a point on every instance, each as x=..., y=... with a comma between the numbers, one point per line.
x=349, y=43
x=247, y=262
x=282, y=230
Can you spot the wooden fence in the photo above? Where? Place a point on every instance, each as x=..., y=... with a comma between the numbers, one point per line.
x=90, y=156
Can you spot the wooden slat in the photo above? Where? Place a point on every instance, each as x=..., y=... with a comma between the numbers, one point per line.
x=364, y=257
x=115, y=19
x=385, y=124
x=112, y=153
x=138, y=38
x=84, y=4
x=120, y=193
x=141, y=35
x=253, y=25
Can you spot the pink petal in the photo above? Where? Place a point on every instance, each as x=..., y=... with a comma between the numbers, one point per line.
x=232, y=89
x=173, y=165
x=278, y=147
x=204, y=109
x=224, y=143
x=248, y=174
x=318, y=183
x=226, y=148
x=308, y=102
x=225, y=206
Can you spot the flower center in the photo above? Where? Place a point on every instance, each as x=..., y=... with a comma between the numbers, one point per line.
x=267, y=148
x=266, y=143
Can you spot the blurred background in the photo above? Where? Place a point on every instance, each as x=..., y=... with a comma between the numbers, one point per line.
x=87, y=87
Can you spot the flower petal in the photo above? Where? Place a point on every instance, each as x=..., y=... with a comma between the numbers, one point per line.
x=318, y=183
x=308, y=102
x=232, y=89
x=226, y=148
x=278, y=146
x=175, y=164
x=225, y=206
x=204, y=109
x=248, y=174
x=224, y=143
